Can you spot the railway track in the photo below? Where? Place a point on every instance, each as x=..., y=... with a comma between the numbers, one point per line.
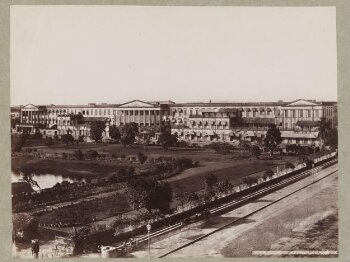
x=256, y=194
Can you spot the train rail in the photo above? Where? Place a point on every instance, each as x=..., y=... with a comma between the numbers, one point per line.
x=256, y=194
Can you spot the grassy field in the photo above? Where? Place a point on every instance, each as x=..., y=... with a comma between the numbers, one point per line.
x=233, y=173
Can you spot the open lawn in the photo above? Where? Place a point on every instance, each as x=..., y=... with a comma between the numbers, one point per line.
x=232, y=172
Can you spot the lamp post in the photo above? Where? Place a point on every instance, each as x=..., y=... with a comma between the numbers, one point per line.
x=149, y=241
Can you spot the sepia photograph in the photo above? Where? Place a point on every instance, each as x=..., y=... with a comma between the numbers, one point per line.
x=173, y=131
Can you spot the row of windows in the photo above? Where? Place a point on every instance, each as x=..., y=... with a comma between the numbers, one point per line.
x=136, y=113
x=87, y=112
x=301, y=113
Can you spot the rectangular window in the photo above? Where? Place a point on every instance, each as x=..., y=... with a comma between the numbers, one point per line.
x=109, y=111
x=286, y=112
x=308, y=113
x=104, y=112
x=300, y=113
x=100, y=112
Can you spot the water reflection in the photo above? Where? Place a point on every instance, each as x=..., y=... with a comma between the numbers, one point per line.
x=45, y=180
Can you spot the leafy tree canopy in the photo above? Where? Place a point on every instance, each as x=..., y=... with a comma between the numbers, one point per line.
x=67, y=139
x=128, y=133
x=150, y=194
x=166, y=139
x=114, y=133
x=273, y=138
x=96, y=130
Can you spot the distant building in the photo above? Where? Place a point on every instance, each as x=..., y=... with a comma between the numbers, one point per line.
x=193, y=122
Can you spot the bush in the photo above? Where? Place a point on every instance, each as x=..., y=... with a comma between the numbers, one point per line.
x=141, y=157
x=78, y=154
x=290, y=165
x=255, y=151
x=49, y=142
x=64, y=155
x=182, y=144
x=37, y=135
x=221, y=147
x=92, y=154
x=268, y=174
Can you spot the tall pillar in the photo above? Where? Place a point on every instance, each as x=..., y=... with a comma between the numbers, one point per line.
x=138, y=117
x=144, y=117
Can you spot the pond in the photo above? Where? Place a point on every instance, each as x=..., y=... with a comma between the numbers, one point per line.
x=46, y=180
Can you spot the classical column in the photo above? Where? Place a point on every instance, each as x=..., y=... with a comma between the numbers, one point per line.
x=144, y=117
x=149, y=117
x=138, y=117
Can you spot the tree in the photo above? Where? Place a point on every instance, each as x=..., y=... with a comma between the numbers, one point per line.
x=68, y=139
x=210, y=181
x=114, y=133
x=244, y=145
x=193, y=198
x=78, y=236
x=255, y=150
x=166, y=139
x=128, y=133
x=324, y=130
x=27, y=176
x=332, y=138
x=150, y=194
x=96, y=130
x=273, y=138
x=15, y=121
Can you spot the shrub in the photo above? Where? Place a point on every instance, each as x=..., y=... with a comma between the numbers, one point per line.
x=268, y=174
x=64, y=155
x=290, y=165
x=92, y=154
x=141, y=157
x=49, y=142
x=37, y=135
x=255, y=151
x=78, y=154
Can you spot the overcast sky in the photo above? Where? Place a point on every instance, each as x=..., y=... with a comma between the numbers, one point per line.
x=113, y=54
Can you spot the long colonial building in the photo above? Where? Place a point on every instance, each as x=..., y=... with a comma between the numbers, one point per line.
x=193, y=122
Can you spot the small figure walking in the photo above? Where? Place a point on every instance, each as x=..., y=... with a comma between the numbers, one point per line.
x=35, y=248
